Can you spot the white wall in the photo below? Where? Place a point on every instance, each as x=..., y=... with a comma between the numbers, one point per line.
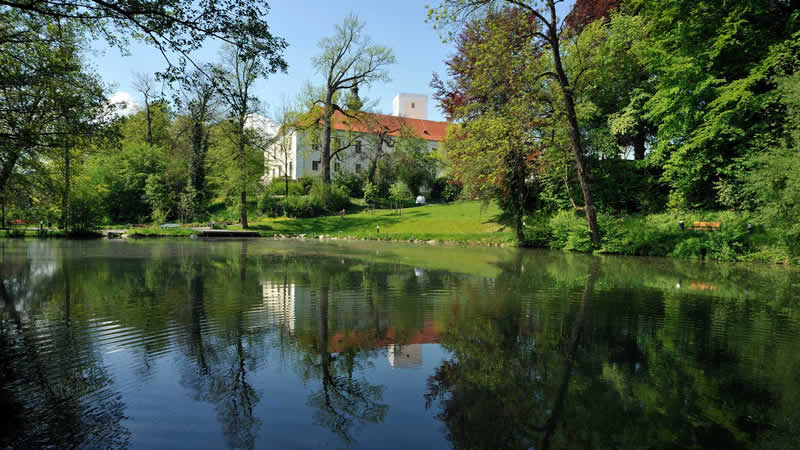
x=414, y=106
x=303, y=156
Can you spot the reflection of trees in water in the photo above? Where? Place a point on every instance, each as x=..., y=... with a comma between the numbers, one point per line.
x=218, y=365
x=55, y=389
x=633, y=368
x=497, y=390
x=345, y=401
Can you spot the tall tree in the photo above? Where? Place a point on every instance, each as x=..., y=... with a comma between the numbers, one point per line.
x=199, y=94
x=348, y=60
x=236, y=79
x=545, y=37
x=146, y=85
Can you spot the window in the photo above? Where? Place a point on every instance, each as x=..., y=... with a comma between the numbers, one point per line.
x=337, y=167
x=314, y=165
x=358, y=168
x=412, y=105
x=358, y=146
x=291, y=169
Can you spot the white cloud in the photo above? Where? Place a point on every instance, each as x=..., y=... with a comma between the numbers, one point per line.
x=122, y=104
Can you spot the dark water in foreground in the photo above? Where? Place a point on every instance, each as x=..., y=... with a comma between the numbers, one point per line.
x=165, y=344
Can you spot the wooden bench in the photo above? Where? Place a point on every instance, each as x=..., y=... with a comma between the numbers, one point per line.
x=706, y=226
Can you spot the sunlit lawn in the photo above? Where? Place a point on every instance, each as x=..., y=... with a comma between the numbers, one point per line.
x=459, y=221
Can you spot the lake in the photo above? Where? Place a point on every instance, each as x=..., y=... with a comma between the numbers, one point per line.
x=292, y=344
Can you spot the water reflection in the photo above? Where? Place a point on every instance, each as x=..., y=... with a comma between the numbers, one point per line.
x=257, y=344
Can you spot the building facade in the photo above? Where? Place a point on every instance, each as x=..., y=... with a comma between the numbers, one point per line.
x=296, y=153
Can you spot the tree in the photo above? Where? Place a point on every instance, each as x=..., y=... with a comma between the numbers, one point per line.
x=145, y=85
x=174, y=27
x=199, y=94
x=545, y=37
x=236, y=79
x=503, y=117
x=348, y=61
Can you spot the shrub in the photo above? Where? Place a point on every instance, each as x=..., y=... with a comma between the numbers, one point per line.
x=85, y=208
x=278, y=187
x=372, y=194
x=445, y=188
x=350, y=183
x=270, y=206
x=301, y=207
x=306, y=183
x=399, y=192
x=570, y=232
x=328, y=197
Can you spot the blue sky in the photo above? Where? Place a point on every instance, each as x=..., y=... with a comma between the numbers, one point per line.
x=398, y=24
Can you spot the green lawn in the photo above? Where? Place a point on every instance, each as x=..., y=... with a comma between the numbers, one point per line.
x=466, y=221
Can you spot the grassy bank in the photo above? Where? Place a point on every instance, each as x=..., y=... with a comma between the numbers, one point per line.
x=660, y=235
x=470, y=223
x=460, y=222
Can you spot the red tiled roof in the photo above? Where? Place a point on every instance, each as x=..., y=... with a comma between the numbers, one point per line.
x=370, y=123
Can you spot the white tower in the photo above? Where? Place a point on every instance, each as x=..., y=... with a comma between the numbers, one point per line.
x=413, y=106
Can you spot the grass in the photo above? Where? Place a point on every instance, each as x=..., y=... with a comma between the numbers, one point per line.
x=461, y=222
x=158, y=232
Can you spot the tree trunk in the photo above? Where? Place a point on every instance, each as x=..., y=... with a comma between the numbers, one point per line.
x=639, y=146
x=374, y=163
x=65, y=218
x=149, y=122
x=574, y=129
x=243, y=174
x=8, y=169
x=325, y=157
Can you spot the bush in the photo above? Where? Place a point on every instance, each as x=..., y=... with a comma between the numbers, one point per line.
x=301, y=207
x=350, y=183
x=570, y=232
x=399, y=192
x=278, y=187
x=445, y=188
x=329, y=198
x=270, y=206
x=85, y=208
x=372, y=195
x=306, y=183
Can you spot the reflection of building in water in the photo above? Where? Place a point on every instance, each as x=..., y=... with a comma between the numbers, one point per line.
x=279, y=299
x=405, y=356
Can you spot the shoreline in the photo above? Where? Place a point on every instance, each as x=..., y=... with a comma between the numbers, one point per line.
x=401, y=238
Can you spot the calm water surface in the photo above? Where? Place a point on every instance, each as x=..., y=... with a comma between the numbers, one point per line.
x=265, y=344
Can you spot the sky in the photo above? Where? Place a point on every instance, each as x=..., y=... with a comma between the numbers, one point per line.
x=398, y=24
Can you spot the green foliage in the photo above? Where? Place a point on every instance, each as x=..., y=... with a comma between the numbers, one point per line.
x=301, y=207
x=270, y=205
x=569, y=232
x=371, y=193
x=278, y=187
x=85, y=207
x=399, y=192
x=306, y=182
x=328, y=198
x=445, y=188
x=350, y=183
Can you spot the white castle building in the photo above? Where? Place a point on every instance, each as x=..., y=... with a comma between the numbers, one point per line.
x=294, y=152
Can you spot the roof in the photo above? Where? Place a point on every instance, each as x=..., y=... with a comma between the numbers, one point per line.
x=371, y=123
